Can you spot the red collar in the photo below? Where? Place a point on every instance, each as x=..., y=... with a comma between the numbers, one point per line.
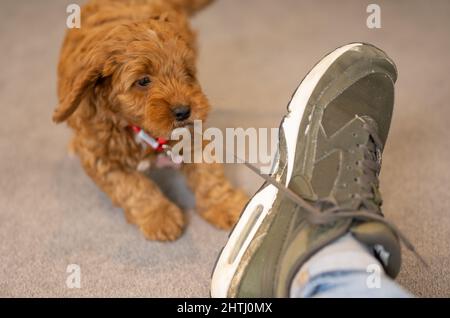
x=156, y=144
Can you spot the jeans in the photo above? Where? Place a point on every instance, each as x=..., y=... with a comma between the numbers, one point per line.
x=345, y=268
x=342, y=284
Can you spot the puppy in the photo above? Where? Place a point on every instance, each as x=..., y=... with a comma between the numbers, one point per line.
x=132, y=62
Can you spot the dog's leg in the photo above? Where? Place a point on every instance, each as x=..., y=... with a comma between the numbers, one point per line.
x=143, y=202
x=216, y=200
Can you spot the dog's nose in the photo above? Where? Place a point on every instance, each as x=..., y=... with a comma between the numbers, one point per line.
x=181, y=112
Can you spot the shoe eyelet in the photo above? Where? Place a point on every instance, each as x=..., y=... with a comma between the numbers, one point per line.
x=355, y=135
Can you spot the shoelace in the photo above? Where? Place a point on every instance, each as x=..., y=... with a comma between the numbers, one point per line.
x=327, y=211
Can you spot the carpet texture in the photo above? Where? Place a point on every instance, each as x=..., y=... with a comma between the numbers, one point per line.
x=253, y=55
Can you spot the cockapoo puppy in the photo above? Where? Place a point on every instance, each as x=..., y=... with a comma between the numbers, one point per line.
x=132, y=62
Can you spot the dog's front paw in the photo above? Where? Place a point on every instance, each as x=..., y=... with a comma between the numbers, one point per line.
x=225, y=213
x=164, y=224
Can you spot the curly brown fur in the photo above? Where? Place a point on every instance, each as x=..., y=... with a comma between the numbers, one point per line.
x=119, y=43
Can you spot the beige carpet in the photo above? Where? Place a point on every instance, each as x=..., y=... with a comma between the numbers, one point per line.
x=253, y=54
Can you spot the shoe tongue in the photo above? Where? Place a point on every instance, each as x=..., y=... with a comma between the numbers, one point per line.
x=373, y=134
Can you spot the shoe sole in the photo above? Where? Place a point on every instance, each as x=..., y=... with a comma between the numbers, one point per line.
x=261, y=203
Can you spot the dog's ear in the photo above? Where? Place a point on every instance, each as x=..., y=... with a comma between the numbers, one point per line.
x=85, y=80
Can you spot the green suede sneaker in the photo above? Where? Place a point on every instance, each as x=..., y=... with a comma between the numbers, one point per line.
x=325, y=180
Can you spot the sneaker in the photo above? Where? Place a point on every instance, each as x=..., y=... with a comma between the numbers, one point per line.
x=325, y=180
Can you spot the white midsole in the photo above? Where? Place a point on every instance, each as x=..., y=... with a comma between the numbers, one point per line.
x=225, y=268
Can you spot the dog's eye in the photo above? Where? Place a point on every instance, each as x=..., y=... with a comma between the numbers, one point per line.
x=143, y=82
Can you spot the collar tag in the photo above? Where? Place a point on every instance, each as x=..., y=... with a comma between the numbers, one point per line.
x=156, y=144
